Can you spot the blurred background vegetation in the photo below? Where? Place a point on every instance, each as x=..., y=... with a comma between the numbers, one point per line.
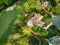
x=13, y=23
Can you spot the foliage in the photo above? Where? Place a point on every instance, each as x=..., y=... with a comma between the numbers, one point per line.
x=57, y=1
x=16, y=39
x=23, y=41
x=56, y=10
x=32, y=5
x=13, y=23
x=51, y=33
x=39, y=30
x=8, y=2
x=26, y=30
x=8, y=43
x=20, y=20
x=47, y=21
x=4, y=3
x=56, y=19
x=7, y=19
x=53, y=2
x=16, y=36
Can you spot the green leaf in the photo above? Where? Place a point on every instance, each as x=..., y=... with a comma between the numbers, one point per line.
x=7, y=20
x=23, y=41
x=56, y=21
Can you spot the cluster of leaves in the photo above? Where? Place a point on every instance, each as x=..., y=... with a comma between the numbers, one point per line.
x=17, y=39
x=56, y=10
x=5, y=3
x=32, y=5
x=23, y=34
x=20, y=25
x=39, y=30
x=20, y=21
x=57, y=1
